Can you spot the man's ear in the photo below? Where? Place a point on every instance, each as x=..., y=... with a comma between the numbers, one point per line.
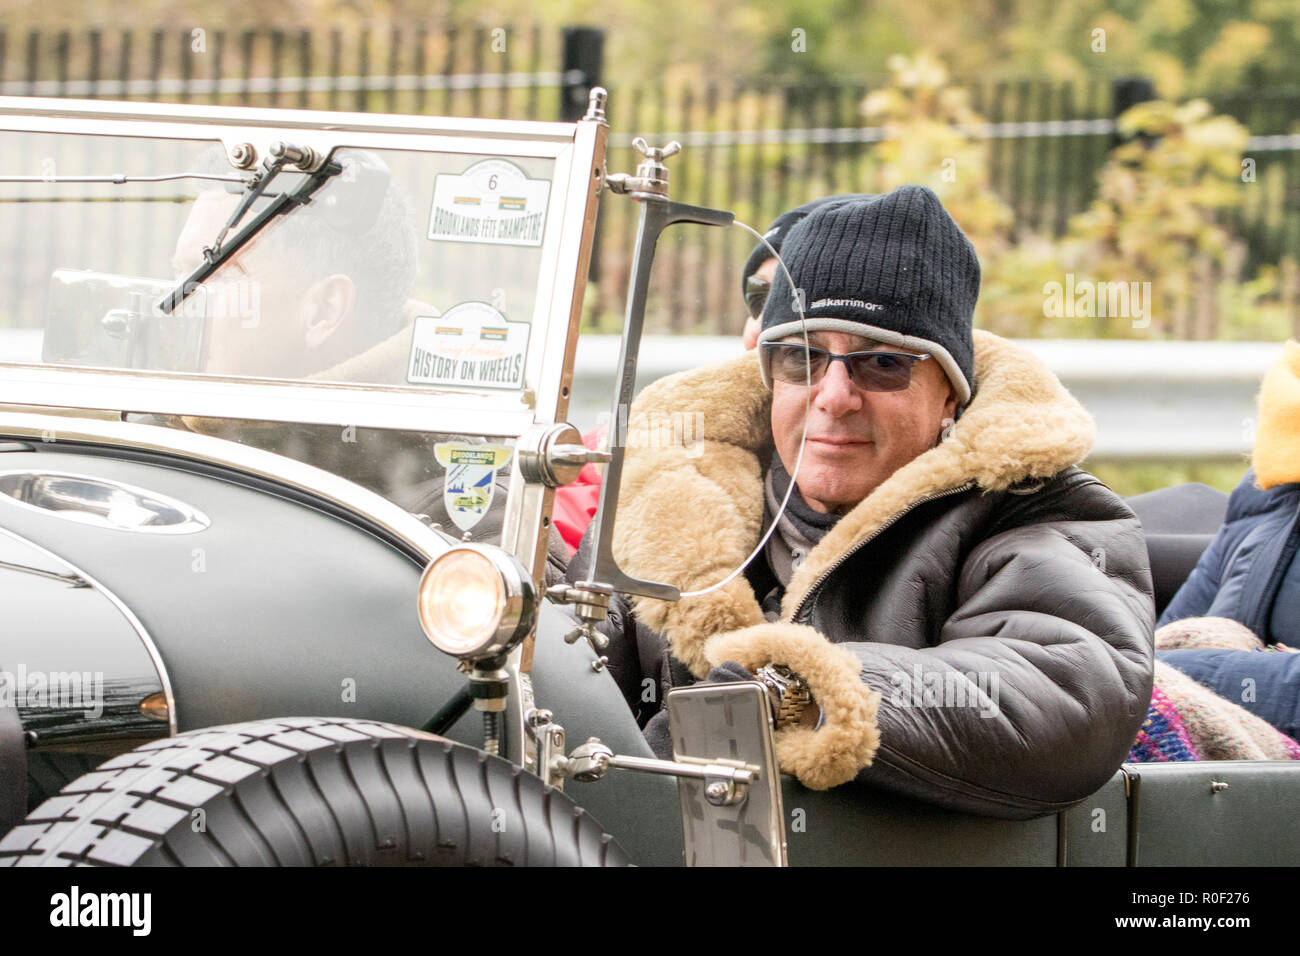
x=950, y=406
x=327, y=304
x=949, y=415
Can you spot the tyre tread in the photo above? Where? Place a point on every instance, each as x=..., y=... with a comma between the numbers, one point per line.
x=317, y=791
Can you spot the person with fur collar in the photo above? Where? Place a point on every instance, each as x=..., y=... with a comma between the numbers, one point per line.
x=970, y=613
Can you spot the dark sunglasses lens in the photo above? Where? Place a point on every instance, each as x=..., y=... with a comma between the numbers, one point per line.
x=789, y=363
x=881, y=372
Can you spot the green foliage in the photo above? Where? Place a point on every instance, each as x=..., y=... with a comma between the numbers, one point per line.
x=928, y=129
x=1165, y=199
x=1160, y=217
x=1134, y=478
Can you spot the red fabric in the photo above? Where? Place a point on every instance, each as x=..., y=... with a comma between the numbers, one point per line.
x=575, y=504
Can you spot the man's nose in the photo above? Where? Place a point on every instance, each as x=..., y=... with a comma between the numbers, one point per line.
x=836, y=393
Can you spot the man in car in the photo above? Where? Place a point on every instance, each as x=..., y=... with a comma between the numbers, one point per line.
x=316, y=288
x=948, y=608
x=322, y=293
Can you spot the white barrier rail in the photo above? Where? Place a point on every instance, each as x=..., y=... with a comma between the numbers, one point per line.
x=1151, y=400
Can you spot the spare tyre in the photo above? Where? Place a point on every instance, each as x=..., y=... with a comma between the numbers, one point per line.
x=309, y=791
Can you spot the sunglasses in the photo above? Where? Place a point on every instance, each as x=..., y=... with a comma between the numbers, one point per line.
x=756, y=291
x=794, y=364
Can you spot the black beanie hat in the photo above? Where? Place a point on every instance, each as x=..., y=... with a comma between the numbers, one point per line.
x=781, y=227
x=894, y=268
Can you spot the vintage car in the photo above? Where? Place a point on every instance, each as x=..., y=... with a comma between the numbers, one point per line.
x=254, y=574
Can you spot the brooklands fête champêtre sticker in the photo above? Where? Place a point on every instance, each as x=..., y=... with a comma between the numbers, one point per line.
x=492, y=201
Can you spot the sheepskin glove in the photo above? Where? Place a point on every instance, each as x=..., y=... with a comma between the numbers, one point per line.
x=848, y=738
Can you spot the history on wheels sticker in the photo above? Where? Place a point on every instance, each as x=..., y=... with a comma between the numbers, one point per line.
x=492, y=201
x=471, y=345
x=470, y=479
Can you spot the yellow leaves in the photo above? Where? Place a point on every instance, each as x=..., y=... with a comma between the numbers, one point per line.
x=1123, y=38
x=921, y=72
x=1221, y=134
x=1237, y=46
x=883, y=104
x=1061, y=67
x=1194, y=151
x=1173, y=15
x=1166, y=71
x=1191, y=112
x=954, y=103
x=1154, y=117
x=1158, y=216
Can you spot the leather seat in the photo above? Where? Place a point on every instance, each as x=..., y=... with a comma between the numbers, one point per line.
x=1179, y=523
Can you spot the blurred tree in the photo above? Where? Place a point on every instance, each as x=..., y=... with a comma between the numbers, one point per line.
x=1186, y=45
x=1160, y=217
x=929, y=137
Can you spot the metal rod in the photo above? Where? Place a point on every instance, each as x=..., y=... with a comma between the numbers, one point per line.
x=122, y=178
x=449, y=713
x=669, y=768
x=281, y=205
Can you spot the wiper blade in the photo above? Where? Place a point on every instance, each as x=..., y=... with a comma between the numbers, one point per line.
x=216, y=255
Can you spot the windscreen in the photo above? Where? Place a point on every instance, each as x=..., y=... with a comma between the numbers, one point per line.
x=388, y=267
x=175, y=260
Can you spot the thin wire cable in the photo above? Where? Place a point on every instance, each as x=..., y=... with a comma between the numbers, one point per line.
x=119, y=179
x=762, y=543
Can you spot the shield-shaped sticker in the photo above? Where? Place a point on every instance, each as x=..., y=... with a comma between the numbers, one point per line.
x=470, y=480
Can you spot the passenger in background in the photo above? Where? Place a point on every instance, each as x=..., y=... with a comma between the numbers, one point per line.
x=1235, y=624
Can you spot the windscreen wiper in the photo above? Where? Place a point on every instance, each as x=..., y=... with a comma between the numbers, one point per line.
x=280, y=156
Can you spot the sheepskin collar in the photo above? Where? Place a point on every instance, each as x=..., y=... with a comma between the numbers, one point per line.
x=691, y=506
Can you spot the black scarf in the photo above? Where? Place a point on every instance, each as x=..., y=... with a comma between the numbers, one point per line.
x=812, y=524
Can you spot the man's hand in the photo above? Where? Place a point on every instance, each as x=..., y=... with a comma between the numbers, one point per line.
x=836, y=737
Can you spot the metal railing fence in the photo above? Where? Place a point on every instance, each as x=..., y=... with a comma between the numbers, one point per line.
x=755, y=149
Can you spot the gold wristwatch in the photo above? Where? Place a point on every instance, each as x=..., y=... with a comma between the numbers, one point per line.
x=788, y=692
